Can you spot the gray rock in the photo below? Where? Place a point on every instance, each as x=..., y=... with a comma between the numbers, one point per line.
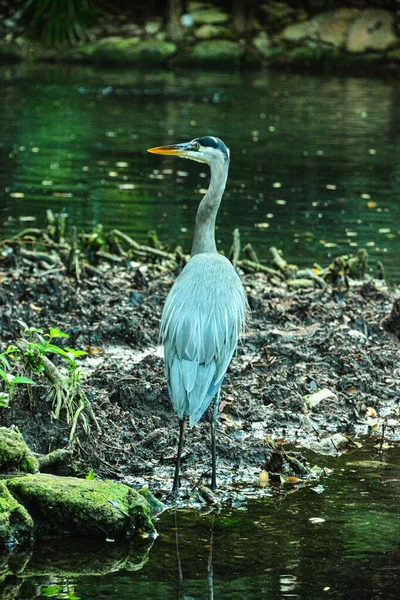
x=330, y=27
x=354, y=29
x=372, y=30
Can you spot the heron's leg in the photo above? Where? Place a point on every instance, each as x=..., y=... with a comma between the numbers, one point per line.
x=182, y=427
x=214, y=421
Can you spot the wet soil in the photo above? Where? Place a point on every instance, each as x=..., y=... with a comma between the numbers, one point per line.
x=298, y=342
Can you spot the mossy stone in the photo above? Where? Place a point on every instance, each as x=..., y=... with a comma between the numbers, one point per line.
x=125, y=50
x=84, y=507
x=210, y=31
x=216, y=52
x=14, y=453
x=16, y=525
x=208, y=14
x=156, y=506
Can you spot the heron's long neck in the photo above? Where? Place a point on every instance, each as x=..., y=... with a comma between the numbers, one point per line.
x=204, y=231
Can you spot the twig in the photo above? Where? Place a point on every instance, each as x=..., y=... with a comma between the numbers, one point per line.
x=248, y=264
x=235, y=249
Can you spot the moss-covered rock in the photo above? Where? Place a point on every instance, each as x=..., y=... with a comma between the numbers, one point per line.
x=222, y=52
x=156, y=506
x=204, y=13
x=14, y=453
x=16, y=525
x=356, y=30
x=263, y=43
x=125, y=50
x=84, y=507
x=210, y=31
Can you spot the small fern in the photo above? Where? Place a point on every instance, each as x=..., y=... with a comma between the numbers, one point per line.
x=59, y=21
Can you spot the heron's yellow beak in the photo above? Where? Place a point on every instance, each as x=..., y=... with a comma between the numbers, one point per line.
x=166, y=150
x=174, y=150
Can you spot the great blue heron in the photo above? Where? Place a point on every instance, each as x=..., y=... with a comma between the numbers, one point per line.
x=205, y=310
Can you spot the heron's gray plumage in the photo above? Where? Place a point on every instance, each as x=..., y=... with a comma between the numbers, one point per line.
x=205, y=310
x=202, y=319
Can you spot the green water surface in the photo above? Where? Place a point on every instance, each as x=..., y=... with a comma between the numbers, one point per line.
x=315, y=159
x=337, y=538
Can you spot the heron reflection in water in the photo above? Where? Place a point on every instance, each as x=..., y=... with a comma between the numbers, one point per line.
x=205, y=310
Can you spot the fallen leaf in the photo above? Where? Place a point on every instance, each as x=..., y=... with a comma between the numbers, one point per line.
x=371, y=412
x=317, y=397
x=264, y=477
x=383, y=446
x=35, y=308
x=92, y=350
x=289, y=479
x=351, y=390
x=293, y=480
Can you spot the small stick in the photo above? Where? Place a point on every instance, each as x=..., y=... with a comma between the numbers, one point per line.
x=235, y=249
x=250, y=253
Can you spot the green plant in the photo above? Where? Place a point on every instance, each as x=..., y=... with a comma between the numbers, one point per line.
x=30, y=353
x=59, y=21
x=10, y=381
x=60, y=592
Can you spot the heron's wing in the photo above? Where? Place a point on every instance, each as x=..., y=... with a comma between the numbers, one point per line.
x=202, y=319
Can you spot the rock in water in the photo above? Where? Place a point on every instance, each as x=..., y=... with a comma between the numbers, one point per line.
x=83, y=507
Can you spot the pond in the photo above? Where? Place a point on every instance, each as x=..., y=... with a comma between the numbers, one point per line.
x=337, y=538
x=315, y=159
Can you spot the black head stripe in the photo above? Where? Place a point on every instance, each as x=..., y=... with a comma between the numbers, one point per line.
x=213, y=142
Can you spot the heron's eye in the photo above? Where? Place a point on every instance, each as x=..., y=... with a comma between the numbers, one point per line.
x=196, y=146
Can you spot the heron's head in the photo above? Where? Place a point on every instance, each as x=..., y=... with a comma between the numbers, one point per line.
x=207, y=149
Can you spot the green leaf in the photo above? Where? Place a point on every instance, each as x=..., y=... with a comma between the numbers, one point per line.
x=12, y=349
x=76, y=353
x=23, y=325
x=56, y=350
x=4, y=400
x=41, y=340
x=4, y=361
x=35, y=330
x=90, y=475
x=20, y=379
x=39, y=345
x=5, y=376
x=56, y=333
x=51, y=591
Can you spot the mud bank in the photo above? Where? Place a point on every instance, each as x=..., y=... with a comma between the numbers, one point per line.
x=315, y=361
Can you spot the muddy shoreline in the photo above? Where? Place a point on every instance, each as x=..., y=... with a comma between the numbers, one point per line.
x=334, y=340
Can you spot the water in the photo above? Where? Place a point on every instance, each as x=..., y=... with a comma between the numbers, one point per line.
x=274, y=549
x=315, y=158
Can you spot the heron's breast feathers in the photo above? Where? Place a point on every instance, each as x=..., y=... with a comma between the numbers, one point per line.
x=202, y=319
